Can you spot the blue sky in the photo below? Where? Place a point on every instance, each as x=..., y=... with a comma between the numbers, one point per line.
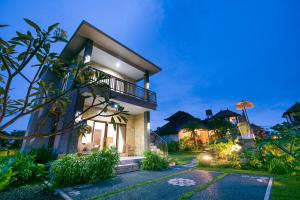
x=213, y=53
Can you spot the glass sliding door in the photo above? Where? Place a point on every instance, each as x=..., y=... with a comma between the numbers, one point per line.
x=111, y=140
x=103, y=135
x=98, y=134
x=121, y=135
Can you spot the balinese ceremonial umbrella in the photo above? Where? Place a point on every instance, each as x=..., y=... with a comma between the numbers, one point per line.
x=243, y=105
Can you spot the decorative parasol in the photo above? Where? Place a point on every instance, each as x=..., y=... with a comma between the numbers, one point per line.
x=244, y=105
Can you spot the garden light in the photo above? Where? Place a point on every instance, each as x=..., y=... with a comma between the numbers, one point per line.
x=236, y=147
x=207, y=158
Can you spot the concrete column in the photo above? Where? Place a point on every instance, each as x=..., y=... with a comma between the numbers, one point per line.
x=146, y=85
x=147, y=129
x=88, y=50
x=67, y=143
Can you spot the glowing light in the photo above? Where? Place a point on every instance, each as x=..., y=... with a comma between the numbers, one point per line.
x=87, y=59
x=236, y=147
x=118, y=64
x=148, y=126
x=147, y=85
x=207, y=158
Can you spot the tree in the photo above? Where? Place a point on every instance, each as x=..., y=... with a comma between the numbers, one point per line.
x=31, y=51
x=290, y=132
x=221, y=126
x=192, y=126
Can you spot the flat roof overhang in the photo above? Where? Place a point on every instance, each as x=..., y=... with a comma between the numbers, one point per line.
x=108, y=44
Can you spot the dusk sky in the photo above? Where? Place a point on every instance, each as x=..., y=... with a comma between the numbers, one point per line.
x=212, y=53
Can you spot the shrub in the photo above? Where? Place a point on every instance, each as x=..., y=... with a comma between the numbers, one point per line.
x=73, y=169
x=173, y=146
x=278, y=165
x=6, y=176
x=185, y=144
x=204, y=160
x=253, y=160
x=43, y=155
x=153, y=161
x=26, y=169
x=20, y=169
x=223, y=149
x=106, y=160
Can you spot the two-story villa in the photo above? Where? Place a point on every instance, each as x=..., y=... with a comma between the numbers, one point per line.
x=125, y=69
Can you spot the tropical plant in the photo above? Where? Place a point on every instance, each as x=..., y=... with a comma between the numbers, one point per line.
x=291, y=133
x=154, y=162
x=173, y=146
x=73, y=169
x=20, y=169
x=221, y=127
x=26, y=169
x=192, y=126
x=279, y=165
x=6, y=175
x=31, y=51
x=43, y=155
x=253, y=159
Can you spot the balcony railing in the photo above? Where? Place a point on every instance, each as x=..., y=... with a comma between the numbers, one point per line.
x=127, y=88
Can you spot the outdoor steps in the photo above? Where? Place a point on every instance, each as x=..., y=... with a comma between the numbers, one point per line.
x=128, y=165
x=155, y=149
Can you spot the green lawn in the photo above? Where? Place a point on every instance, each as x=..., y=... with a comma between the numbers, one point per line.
x=183, y=158
x=284, y=187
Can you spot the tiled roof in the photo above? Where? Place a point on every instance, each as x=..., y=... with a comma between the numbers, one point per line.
x=294, y=108
x=226, y=113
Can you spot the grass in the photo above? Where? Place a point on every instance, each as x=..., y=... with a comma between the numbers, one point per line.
x=183, y=158
x=284, y=187
x=34, y=191
x=112, y=193
x=202, y=187
x=8, y=152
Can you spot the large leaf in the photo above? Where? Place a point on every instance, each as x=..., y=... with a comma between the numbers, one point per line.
x=34, y=25
x=113, y=121
x=52, y=27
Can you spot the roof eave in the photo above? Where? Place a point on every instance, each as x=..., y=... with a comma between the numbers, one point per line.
x=81, y=33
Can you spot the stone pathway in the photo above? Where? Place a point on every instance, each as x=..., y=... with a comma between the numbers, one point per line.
x=118, y=182
x=236, y=187
x=169, y=189
x=233, y=186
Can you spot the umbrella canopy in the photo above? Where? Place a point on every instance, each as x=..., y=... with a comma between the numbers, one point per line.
x=244, y=105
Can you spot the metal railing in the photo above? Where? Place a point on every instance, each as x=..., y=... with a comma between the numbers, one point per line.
x=127, y=88
x=159, y=143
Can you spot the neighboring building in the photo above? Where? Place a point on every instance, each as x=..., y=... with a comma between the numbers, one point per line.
x=228, y=115
x=169, y=132
x=174, y=131
x=292, y=115
x=258, y=131
x=124, y=69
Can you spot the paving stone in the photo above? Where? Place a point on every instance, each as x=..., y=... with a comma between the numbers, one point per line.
x=120, y=181
x=236, y=187
x=168, y=189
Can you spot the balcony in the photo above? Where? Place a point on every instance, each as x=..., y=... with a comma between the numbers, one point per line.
x=126, y=88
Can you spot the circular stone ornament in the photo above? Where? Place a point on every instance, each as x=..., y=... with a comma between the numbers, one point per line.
x=181, y=182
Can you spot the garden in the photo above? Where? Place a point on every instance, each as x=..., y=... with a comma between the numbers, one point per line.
x=277, y=155
x=40, y=170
